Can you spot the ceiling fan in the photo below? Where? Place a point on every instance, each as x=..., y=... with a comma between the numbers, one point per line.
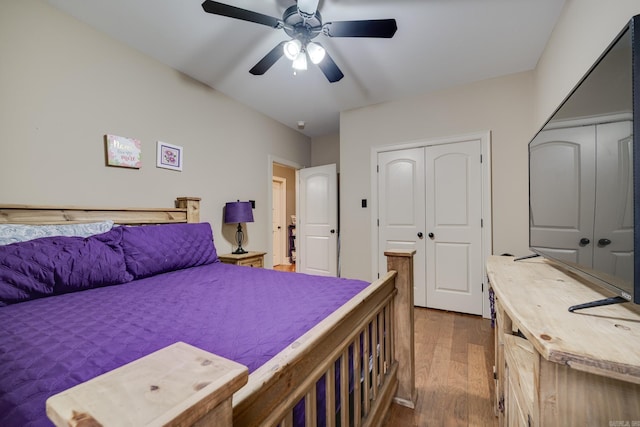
x=303, y=23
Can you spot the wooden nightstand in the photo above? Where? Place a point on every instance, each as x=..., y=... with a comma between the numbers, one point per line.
x=250, y=259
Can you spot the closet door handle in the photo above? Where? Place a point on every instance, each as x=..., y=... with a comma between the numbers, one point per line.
x=420, y=235
x=431, y=235
x=333, y=231
x=604, y=242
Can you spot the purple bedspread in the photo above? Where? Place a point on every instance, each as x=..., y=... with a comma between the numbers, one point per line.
x=248, y=315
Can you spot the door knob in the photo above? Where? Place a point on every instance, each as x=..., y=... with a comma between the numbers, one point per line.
x=584, y=241
x=420, y=235
x=604, y=242
x=431, y=235
x=333, y=231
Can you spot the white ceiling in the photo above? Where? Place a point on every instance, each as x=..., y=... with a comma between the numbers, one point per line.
x=439, y=44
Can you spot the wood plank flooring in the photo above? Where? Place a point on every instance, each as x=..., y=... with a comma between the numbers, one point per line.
x=454, y=372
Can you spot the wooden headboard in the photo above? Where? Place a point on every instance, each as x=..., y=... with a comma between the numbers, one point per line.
x=187, y=209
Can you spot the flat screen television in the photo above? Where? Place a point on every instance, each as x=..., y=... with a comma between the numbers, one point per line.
x=584, y=176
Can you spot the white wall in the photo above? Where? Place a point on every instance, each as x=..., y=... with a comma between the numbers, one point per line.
x=500, y=105
x=513, y=108
x=63, y=86
x=584, y=30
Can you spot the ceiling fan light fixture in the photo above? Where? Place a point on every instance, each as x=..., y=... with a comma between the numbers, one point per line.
x=316, y=52
x=300, y=63
x=292, y=49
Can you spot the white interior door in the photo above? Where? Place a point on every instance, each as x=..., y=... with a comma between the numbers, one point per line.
x=453, y=227
x=430, y=200
x=278, y=218
x=317, y=221
x=401, y=211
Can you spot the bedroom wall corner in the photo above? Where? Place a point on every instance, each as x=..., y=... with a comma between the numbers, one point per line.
x=325, y=150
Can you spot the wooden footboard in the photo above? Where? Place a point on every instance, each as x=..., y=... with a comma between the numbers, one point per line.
x=370, y=338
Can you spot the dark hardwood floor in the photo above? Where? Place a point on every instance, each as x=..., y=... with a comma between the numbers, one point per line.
x=454, y=372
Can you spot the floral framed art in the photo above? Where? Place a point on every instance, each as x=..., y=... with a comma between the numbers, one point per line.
x=169, y=156
x=123, y=152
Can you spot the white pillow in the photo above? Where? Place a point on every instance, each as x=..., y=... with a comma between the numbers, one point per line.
x=12, y=233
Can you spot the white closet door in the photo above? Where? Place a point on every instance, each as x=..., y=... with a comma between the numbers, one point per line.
x=453, y=227
x=401, y=192
x=435, y=189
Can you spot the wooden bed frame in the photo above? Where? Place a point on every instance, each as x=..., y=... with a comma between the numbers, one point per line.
x=377, y=322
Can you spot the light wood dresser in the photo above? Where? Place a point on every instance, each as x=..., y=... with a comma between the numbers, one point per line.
x=250, y=259
x=556, y=368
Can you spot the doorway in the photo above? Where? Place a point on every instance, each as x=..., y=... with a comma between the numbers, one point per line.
x=279, y=223
x=283, y=213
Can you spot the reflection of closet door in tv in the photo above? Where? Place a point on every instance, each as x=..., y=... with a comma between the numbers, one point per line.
x=565, y=168
x=614, y=194
x=583, y=223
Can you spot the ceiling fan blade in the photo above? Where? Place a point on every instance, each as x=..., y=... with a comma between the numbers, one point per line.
x=269, y=59
x=235, y=12
x=380, y=28
x=330, y=69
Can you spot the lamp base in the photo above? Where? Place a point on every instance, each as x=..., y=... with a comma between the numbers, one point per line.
x=239, y=238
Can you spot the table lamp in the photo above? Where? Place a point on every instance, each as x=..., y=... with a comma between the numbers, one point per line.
x=238, y=212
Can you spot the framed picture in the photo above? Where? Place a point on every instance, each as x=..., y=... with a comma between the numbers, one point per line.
x=169, y=156
x=123, y=152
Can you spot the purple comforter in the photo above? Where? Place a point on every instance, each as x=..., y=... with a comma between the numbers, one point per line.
x=248, y=315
